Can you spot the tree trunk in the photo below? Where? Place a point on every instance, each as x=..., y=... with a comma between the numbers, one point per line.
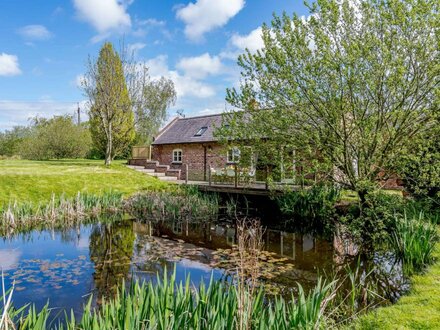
x=108, y=150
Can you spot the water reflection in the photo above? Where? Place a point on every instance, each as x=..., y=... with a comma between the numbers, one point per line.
x=111, y=250
x=67, y=266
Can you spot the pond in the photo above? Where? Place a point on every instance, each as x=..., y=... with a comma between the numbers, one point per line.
x=67, y=267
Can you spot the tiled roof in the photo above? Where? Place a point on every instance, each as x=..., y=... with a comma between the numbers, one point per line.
x=183, y=130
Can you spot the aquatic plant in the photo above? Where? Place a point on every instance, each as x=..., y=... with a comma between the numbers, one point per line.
x=413, y=240
x=59, y=211
x=182, y=204
x=167, y=304
x=313, y=205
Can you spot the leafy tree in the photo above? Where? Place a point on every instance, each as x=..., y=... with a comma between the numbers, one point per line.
x=351, y=85
x=11, y=140
x=56, y=138
x=138, y=104
x=150, y=99
x=111, y=115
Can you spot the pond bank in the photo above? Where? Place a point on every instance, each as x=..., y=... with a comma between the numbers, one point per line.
x=419, y=309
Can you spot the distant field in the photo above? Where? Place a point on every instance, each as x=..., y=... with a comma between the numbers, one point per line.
x=35, y=181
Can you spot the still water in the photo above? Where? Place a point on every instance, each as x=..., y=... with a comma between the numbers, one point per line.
x=66, y=268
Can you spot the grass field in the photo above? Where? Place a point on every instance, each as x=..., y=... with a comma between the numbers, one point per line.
x=420, y=309
x=36, y=181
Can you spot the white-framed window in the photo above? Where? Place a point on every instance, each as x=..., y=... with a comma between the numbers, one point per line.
x=233, y=155
x=177, y=156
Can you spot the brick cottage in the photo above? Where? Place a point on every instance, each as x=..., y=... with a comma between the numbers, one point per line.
x=191, y=142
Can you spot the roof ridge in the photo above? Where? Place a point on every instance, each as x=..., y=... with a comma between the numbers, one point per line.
x=203, y=116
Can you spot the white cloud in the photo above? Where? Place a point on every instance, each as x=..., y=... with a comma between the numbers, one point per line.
x=185, y=85
x=104, y=15
x=9, y=65
x=205, y=15
x=212, y=110
x=135, y=48
x=9, y=259
x=200, y=66
x=239, y=43
x=35, y=32
x=151, y=22
x=252, y=41
x=144, y=26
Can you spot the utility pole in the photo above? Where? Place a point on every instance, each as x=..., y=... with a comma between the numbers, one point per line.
x=79, y=114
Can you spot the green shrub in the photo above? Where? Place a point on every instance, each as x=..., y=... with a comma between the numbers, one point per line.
x=372, y=224
x=56, y=138
x=311, y=207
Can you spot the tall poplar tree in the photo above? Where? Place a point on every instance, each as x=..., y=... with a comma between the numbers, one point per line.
x=111, y=115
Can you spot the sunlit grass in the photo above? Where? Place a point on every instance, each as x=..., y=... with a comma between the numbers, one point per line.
x=36, y=181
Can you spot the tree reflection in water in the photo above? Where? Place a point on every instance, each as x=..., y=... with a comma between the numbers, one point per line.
x=111, y=250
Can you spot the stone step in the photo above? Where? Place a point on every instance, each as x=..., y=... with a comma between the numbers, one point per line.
x=145, y=170
x=158, y=175
x=168, y=178
x=173, y=172
x=162, y=168
x=151, y=164
x=136, y=167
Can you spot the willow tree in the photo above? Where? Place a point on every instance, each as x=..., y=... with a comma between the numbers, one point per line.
x=355, y=81
x=111, y=115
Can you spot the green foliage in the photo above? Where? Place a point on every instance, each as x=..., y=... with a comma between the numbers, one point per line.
x=168, y=305
x=351, y=85
x=55, y=138
x=372, y=223
x=314, y=206
x=111, y=115
x=420, y=166
x=151, y=110
x=11, y=140
x=413, y=241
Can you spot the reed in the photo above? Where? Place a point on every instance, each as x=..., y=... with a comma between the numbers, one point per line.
x=170, y=305
x=413, y=240
x=59, y=211
x=182, y=204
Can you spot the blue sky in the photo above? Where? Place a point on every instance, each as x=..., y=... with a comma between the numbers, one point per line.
x=44, y=46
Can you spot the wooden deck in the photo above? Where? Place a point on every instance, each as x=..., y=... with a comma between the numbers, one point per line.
x=254, y=188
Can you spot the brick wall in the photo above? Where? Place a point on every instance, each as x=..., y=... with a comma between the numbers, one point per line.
x=193, y=154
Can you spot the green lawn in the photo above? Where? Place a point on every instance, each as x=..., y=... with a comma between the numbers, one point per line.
x=35, y=181
x=420, y=309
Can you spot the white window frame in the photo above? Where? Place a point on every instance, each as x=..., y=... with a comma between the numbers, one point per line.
x=177, y=156
x=233, y=155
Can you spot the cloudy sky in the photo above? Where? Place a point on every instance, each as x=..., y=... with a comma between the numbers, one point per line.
x=44, y=46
